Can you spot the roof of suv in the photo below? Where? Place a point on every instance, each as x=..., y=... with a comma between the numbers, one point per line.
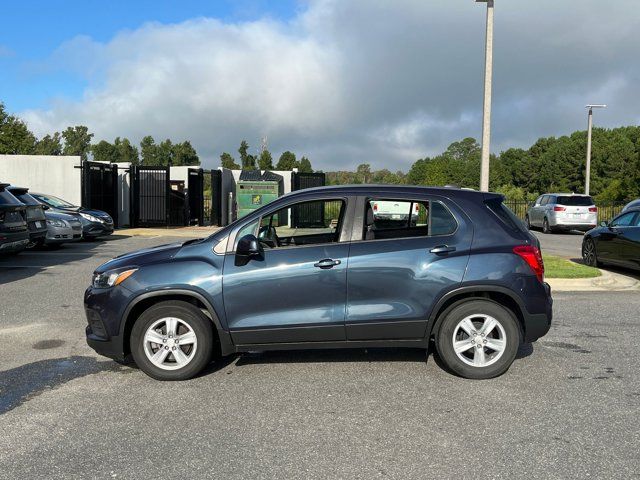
x=361, y=189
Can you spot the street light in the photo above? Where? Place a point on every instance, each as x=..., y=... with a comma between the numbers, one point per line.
x=486, y=115
x=590, y=125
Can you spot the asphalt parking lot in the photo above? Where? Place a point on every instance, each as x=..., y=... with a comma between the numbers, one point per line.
x=568, y=408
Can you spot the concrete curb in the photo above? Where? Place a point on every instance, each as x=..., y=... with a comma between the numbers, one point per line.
x=608, y=282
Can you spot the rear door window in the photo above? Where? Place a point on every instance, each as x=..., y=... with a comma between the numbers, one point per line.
x=575, y=201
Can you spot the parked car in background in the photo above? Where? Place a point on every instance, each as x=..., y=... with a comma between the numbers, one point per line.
x=470, y=278
x=95, y=223
x=14, y=234
x=36, y=221
x=616, y=242
x=562, y=211
x=390, y=211
x=62, y=228
x=631, y=204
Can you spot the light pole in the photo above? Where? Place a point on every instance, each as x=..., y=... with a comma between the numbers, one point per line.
x=587, y=180
x=486, y=115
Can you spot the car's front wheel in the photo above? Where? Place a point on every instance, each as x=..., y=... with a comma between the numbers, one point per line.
x=478, y=339
x=590, y=253
x=172, y=340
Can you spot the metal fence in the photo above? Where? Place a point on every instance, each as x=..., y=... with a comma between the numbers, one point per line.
x=606, y=210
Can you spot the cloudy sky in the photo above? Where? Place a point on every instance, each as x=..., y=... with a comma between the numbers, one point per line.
x=341, y=81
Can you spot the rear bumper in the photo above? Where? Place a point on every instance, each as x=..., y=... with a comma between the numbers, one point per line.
x=537, y=325
x=574, y=226
x=14, y=242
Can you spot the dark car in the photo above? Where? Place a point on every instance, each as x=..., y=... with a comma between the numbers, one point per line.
x=616, y=242
x=314, y=269
x=36, y=221
x=95, y=223
x=14, y=235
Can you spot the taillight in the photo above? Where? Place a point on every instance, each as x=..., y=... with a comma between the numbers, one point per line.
x=417, y=208
x=375, y=207
x=559, y=209
x=533, y=257
x=593, y=209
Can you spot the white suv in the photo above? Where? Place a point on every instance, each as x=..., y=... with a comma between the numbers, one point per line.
x=562, y=211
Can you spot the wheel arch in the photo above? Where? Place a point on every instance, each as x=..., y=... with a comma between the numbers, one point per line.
x=142, y=302
x=497, y=294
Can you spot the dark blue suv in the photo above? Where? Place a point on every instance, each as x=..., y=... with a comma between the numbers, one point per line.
x=318, y=269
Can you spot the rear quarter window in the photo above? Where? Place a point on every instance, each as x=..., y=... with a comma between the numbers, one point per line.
x=505, y=214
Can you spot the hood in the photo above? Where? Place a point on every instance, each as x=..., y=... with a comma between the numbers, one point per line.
x=142, y=257
x=51, y=214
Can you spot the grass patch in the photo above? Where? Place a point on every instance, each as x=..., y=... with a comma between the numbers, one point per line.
x=557, y=267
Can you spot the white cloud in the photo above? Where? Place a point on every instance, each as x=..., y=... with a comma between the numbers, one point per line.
x=347, y=82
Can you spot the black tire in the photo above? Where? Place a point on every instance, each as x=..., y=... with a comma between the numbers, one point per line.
x=545, y=226
x=186, y=312
x=527, y=222
x=444, y=340
x=590, y=259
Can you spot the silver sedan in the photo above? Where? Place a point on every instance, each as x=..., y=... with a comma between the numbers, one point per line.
x=62, y=228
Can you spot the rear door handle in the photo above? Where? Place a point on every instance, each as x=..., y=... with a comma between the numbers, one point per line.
x=442, y=249
x=327, y=263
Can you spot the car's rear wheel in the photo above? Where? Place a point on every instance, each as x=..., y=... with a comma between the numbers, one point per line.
x=172, y=340
x=590, y=253
x=478, y=339
x=545, y=226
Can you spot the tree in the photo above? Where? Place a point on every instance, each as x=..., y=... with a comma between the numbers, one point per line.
x=15, y=137
x=49, y=145
x=364, y=173
x=165, y=153
x=248, y=161
x=77, y=141
x=305, y=165
x=265, y=162
x=126, y=152
x=104, y=151
x=287, y=161
x=185, y=154
x=149, y=151
x=227, y=161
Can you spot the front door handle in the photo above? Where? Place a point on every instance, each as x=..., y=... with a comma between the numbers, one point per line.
x=327, y=263
x=442, y=249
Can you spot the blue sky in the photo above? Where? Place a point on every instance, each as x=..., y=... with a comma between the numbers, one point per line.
x=342, y=82
x=32, y=30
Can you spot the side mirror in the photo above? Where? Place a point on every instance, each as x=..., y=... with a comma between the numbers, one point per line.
x=46, y=207
x=604, y=224
x=249, y=246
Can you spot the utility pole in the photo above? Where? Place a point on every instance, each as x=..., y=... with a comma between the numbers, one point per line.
x=587, y=180
x=486, y=114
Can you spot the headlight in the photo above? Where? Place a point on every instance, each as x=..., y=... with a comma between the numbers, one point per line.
x=54, y=222
x=91, y=218
x=111, y=278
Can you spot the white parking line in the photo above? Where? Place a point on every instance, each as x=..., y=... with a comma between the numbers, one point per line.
x=46, y=267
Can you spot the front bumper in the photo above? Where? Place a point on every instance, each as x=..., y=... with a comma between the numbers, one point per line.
x=63, y=234
x=104, y=309
x=95, y=229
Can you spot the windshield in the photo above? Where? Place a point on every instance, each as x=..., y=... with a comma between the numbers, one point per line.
x=54, y=202
x=575, y=201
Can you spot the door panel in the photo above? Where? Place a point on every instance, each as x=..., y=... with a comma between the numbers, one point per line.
x=285, y=298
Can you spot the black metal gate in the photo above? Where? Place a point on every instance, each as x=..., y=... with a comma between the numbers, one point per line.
x=216, y=198
x=195, y=186
x=100, y=187
x=307, y=214
x=149, y=196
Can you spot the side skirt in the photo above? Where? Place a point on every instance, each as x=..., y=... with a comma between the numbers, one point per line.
x=420, y=343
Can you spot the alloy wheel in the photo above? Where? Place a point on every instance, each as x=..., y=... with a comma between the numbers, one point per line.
x=170, y=343
x=589, y=253
x=479, y=340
